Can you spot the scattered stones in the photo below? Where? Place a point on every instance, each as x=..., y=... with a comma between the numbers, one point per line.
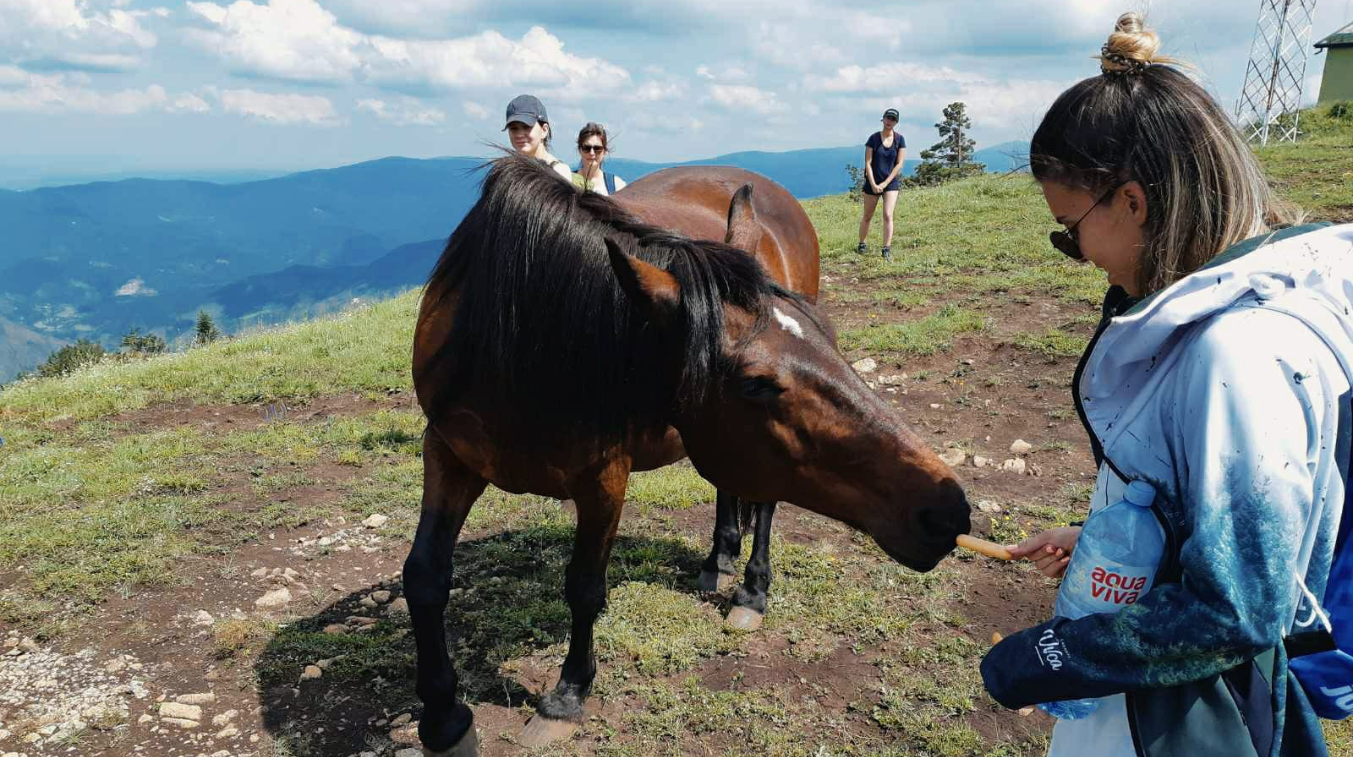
x=375, y=521
x=115, y=665
x=867, y=365
x=311, y=672
x=1016, y=465
x=229, y=732
x=47, y=699
x=224, y=718
x=953, y=457
x=409, y=752
x=980, y=462
x=398, y=607
x=145, y=719
x=335, y=629
x=987, y=506
x=179, y=710
x=897, y=379
x=259, y=573
x=404, y=719
x=205, y=698
x=367, y=602
x=381, y=596
x=1021, y=447
x=274, y=599
x=203, y=618
x=28, y=646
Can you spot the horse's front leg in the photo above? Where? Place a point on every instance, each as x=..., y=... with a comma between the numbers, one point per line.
x=717, y=572
x=749, y=601
x=449, y=490
x=599, y=503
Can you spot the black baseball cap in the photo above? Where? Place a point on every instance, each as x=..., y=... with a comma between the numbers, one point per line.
x=525, y=109
x=890, y=113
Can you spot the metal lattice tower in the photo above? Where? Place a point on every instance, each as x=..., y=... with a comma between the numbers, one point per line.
x=1270, y=103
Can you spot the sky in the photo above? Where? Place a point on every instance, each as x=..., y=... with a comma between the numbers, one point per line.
x=155, y=86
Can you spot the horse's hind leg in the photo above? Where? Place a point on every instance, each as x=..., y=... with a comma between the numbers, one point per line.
x=449, y=490
x=749, y=601
x=560, y=712
x=717, y=572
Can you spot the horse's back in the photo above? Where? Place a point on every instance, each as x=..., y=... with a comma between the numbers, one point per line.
x=694, y=200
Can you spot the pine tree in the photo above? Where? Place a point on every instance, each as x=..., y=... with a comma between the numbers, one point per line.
x=951, y=157
x=137, y=343
x=71, y=358
x=206, y=329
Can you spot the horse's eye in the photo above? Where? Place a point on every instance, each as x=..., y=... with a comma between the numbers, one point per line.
x=759, y=388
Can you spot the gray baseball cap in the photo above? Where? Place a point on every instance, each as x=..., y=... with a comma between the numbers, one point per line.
x=891, y=113
x=525, y=109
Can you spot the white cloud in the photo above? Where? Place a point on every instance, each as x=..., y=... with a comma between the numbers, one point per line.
x=475, y=110
x=298, y=40
x=70, y=34
x=22, y=91
x=741, y=97
x=652, y=91
x=282, y=109
x=410, y=112
x=191, y=103
x=295, y=40
x=135, y=288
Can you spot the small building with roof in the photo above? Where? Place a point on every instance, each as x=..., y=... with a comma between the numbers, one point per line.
x=1337, y=84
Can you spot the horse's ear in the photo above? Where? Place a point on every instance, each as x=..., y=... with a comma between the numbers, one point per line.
x=655, y=291
x=744, y=229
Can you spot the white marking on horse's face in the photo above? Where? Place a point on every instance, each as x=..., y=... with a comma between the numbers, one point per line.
x=787, y=323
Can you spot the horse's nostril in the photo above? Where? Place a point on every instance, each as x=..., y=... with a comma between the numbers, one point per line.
x=945, y=521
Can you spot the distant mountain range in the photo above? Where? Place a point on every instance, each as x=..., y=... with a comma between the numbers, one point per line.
x=94, y=260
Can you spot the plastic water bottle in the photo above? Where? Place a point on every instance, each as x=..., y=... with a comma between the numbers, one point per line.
x=1115, y=561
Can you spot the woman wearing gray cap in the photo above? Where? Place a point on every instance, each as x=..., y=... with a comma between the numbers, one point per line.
x=528, y=127
x=883, y=156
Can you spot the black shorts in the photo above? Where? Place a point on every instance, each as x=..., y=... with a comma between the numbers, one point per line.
x=895, y=186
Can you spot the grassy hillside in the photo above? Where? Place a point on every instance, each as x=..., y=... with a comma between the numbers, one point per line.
x=134, y=494
x=1316, y=172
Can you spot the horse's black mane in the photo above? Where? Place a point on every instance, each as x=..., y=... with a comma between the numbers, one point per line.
x=542, y=328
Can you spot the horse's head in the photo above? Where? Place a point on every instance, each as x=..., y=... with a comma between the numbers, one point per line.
x=785, y=417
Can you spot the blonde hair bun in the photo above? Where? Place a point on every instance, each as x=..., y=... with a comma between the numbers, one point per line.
x=1131, y=48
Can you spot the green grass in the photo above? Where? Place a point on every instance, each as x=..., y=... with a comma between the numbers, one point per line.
x=925, y=336
x=1052, y=343
x=1317, y=171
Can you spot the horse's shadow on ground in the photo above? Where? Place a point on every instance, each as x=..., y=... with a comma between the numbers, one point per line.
x=507, y=602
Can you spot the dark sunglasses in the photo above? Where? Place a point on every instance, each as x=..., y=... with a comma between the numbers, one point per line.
x=1068, y=241
x=591, y=148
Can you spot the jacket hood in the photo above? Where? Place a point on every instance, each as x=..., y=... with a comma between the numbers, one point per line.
x=1313, y=262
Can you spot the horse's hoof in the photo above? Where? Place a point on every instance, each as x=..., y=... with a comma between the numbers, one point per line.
x=541, y=730
x=744, y=619
x=712, y=582
x=468, y=746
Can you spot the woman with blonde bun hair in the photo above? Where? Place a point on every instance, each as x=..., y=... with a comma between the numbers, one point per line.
x=1220, y=376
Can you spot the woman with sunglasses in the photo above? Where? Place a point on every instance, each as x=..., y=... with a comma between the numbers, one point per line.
x=884, y=153
x=592, y=148
x=1220, y=376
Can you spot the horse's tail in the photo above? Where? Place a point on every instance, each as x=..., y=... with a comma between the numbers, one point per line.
x=746, y=515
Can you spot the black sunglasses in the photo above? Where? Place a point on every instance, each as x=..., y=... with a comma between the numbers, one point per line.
x=591, y=148
x=1068, y=241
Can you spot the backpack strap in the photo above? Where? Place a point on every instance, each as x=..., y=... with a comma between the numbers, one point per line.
x=609, y=180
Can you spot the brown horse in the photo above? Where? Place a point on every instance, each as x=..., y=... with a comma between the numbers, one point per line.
x=565, y=341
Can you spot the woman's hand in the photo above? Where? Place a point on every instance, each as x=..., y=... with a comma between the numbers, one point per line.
x=1050, y=550
x=873, y=187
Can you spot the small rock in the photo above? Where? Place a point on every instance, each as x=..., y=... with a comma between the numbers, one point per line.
x=366, y=754
x=935, y=406
x=29, y=646
x=953, y=457
x=228, y=732
x=867, y=365
x=183, y=723
x=893, y=379
x=381, y=596
x=367, y=602
x=1016, y=464
x=311, y=672
x=987, y=506
x=115, y=665
x=206, y=698
x=224, y=718
x=398, y=607
x=980, y=462
x=259, y=573
x=290, y=576
x=325, y=541
x=181, y=711
x=967, y=361
x=358, y=620
x=335, y=629
x=409, y=752
x=1021, y=447
x=401, y=720
x=221, y=753
x=203, y=618
x=145, y=719
x=376, y=521
x=274, y=599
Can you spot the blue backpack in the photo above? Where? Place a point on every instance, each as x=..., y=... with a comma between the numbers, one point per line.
x=1320, y=658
